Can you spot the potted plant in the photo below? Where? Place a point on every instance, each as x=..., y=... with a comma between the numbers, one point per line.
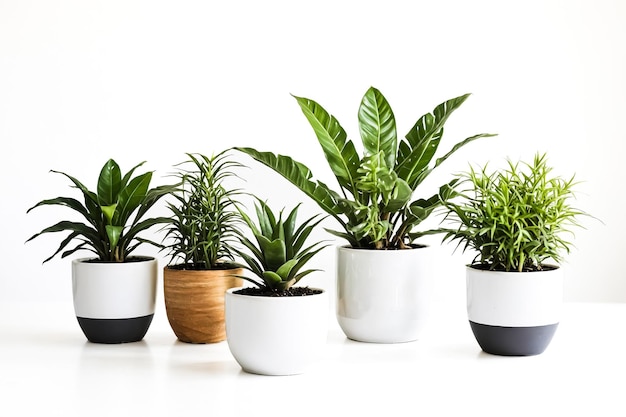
x=114, y=292
x=200, y=234
x=516, y=221
x=377, y=212
x=276, y=327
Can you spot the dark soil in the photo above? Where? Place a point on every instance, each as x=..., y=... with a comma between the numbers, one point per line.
x=136, y=258
x=290, y=292
x=202, y=267
x=487, y=267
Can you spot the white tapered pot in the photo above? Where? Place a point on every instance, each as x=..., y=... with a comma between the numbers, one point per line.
x=114, y=302
x=383, y=295
x=514, y=313
x=276, y=335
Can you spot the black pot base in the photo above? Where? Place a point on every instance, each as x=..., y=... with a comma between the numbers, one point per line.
x=115, y=330
x=513, y=341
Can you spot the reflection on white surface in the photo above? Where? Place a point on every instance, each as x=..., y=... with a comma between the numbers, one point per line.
x=48, y=368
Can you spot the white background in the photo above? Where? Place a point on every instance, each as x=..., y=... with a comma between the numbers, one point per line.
x=84, y=81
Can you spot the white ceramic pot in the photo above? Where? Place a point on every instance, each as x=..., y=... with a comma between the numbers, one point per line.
x=114, y=302
x=276, y=335
x=514, y=313
x=383, y=295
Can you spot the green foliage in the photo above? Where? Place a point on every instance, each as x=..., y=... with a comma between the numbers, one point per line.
x=204, y=222
x=373, y=205
x=277, y=254
x=108, y=230
x=515, y=218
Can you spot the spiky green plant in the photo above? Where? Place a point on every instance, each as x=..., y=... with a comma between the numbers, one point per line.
x=515, y=219
x=110, y=230
x=204, y=223
x=278, y=253
x=374, y=205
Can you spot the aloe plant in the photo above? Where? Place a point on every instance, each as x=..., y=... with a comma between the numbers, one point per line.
x=278, y=253
x=112, y=214
x=516, y=219
x=374, y=205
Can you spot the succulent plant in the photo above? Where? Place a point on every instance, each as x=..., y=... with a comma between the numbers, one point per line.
x=279, y=249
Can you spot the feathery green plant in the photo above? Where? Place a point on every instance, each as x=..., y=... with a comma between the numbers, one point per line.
x=278, y=253
x=373, y=205
x=204, y=222
x=108, y=230
x=515, y=218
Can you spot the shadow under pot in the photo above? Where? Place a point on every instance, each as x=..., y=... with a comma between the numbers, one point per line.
x=114, y=302
x=194, y=301
x=514, y=313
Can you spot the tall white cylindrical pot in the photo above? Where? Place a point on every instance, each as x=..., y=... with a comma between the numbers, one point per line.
x=514, y=313
x=383, y=296
x=114, y=302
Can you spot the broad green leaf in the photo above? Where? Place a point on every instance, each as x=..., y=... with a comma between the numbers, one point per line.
x=108, y=212
x=423, y=139
x=131, y=197
x=339, y=151
x=285, y=269
x=114, y=233
x=399, y=198
x=129, y=174
x=109, y=183
x=378, y=126
x=300, y=176
x=271, y=278
x=274, y=252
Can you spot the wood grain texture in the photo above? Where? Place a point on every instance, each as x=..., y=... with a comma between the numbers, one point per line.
x=194, y=302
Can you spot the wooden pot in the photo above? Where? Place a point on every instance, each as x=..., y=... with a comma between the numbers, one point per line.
x=194, y=302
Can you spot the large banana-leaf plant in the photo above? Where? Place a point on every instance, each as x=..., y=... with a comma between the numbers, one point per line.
x=113, y=214
x=279, y=248
x=374, y=205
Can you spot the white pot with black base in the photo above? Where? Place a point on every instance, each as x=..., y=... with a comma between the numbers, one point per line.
x=114, y=302
x=514, y=313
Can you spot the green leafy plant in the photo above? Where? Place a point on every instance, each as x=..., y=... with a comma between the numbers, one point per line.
x=204, y=223
x=515, y=218
x=278, y=253
x=110, y=229
x=373, y=204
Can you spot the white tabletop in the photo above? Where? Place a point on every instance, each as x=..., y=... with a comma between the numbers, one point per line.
x=48, y=368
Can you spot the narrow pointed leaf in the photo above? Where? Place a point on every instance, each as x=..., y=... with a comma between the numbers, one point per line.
x=132, y=196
